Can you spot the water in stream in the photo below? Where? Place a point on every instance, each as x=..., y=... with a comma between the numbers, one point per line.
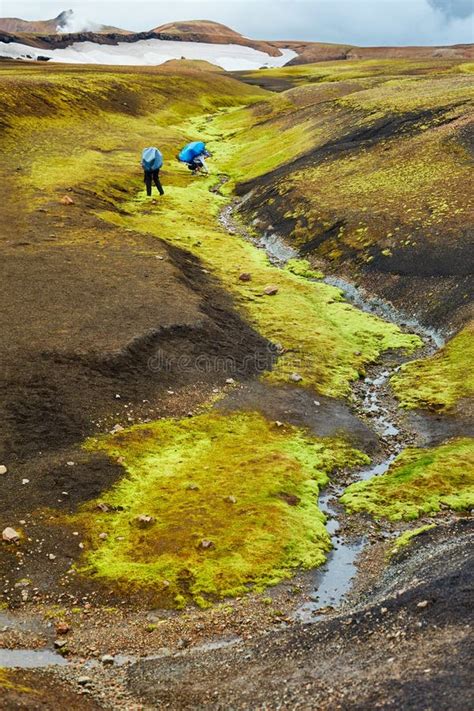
x=334, y=579
x=30, y=658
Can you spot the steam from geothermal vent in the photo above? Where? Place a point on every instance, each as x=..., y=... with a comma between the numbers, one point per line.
x=70, y=21
x=453, y=8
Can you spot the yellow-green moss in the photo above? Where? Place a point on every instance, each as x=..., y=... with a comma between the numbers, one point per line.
x=8, y=683
x=182, y=473
x=326, y=340
x=442, y=381
x=337, y=71
x=419, y=482
x=91, y=135
x=302, y=267
x=404, y=539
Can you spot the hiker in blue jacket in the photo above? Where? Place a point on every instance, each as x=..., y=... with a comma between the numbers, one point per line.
x=152, y=160
x=194, y=155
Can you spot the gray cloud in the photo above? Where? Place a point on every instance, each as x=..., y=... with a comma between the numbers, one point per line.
x=453, y=8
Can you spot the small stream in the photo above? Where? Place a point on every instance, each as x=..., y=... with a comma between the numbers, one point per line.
x=333, y=580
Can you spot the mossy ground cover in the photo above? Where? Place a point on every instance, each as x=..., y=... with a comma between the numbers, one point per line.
x=396, y=202
x=337, y=71
x=104, y=123
x=442, y=381
x=405, y=538
x=246, y=486
x=327, y=341
x=90, y=136
x=419, y=482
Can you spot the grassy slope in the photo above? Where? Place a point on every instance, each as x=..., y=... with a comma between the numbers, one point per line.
x=393, y=201
x=440, y=382
x=326, y=340
x=419, y=482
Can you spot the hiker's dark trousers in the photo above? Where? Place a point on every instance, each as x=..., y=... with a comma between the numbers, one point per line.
x=155, y=176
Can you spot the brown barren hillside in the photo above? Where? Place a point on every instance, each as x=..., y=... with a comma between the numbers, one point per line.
x=55, y=25
x=311, y=52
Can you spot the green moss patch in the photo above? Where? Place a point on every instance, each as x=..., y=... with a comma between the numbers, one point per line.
x=324, y=339
x=404, y=539
x=442, y=381
x=233, y=501
x=89, y=136
x=419, y=482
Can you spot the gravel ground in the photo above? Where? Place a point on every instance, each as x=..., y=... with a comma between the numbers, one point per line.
x=407, y=646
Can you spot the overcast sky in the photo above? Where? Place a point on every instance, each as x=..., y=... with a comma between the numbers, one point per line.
x=364, y=22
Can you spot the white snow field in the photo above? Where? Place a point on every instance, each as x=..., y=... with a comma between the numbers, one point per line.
x=232, y=57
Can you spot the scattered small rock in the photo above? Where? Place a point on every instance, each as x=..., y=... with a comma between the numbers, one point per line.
x=183, y=643
x=278, y=423
x=245, y=276
x=192, y=487
x=103, y=507
x=51, y=556
x=423, y=603
x=10, y=535
x=66, y=200
x=25, y=481
x=3, y=469
x=270, y=290
x=145, y=521
x=107, y=659
x=59, y=643
x=84, y=681
x=206, y=544
x=62, y=628
x=116, y=428
x=230, y=381
x=230, y=499
x=295, y=378
x=103, y=536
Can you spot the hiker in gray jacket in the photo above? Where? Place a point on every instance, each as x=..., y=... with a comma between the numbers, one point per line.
x=152, y=160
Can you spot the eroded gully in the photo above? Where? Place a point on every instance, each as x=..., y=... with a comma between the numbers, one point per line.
x=372, y=401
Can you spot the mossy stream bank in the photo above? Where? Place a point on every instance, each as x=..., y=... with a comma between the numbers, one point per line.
x=372, y=399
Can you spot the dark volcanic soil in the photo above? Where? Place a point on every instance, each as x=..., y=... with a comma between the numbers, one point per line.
x=408, y=648
x=76, y=293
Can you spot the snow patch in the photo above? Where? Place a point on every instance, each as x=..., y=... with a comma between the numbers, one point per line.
x=231, y=57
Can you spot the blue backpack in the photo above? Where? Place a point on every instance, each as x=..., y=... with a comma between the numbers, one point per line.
x=151, y=159
x=192, y=150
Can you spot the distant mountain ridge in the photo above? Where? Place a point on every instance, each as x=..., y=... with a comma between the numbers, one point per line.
x=56, y=25
x=51, y=34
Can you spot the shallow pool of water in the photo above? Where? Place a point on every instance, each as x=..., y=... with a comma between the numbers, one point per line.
x=30, y=658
